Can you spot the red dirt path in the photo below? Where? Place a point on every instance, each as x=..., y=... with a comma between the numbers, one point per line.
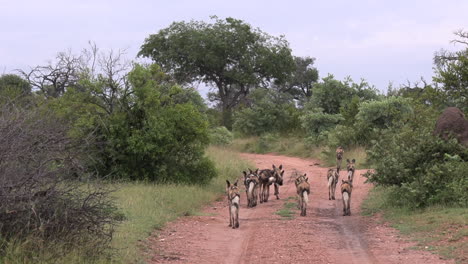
x=323, y=236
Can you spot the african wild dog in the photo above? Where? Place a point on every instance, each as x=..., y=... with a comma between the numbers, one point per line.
x=346, y=189
x=351, y=167
x=339, y=158
x=303, y=191
x=332, y=178
x=267, y=178
x=234, y=201
x=251, y=182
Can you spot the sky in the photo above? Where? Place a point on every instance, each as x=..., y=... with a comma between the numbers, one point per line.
x=380, y=41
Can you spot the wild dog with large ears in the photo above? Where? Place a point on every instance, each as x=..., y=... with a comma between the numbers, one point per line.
x=332, y=178
x=351, y=167
x=346, y=189
x=278, y=174
x=303, y=191
x=251, y=182
x=234, y=200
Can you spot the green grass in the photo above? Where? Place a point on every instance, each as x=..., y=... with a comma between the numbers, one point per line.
x=443, y=230
x=286, y=211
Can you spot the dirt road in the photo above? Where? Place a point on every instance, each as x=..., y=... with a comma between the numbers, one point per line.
x=323, y=236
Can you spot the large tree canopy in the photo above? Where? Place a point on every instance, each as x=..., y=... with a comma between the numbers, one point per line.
x=452, y=73
x=229, y=54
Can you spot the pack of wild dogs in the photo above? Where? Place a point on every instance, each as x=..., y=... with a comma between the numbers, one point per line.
x=257, y=187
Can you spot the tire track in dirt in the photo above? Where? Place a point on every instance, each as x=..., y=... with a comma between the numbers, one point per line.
x=323, y=236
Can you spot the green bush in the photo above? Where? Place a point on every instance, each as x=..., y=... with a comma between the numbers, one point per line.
x=425, y=169
x=317, y=124
x=269, y=112
x=220, y=136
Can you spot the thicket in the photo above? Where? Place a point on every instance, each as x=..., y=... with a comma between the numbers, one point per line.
x=423, y=168
x=42, y=202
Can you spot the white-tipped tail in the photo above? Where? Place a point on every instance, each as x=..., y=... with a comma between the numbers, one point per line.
x=305, y=197
x=234, y=204
x=346, y=199
x=330, y=182
x=250, y=191
x=350, y=175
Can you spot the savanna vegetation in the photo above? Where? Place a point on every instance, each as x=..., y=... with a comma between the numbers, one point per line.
x=98, y=151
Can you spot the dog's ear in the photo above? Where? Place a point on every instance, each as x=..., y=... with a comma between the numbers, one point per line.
x=274, y=167
x=235, y=184
x=354, y=160
x=282, y=172
x=245, y=174
x=281, y=167
x=307, y=179
x=250, y=170
x=347, y=160
x=228, y=183
x=256, y=171
x=305, y=174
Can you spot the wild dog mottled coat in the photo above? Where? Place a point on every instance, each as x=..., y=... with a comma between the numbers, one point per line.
x=332, y=179
x=234, y=201
x=339, y=158
x=351, y=167
x=268, y=177
x=251, y=182
x=346, y=189
x=303, y=191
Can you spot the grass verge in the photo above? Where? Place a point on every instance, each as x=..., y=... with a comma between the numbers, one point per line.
x=442, y=230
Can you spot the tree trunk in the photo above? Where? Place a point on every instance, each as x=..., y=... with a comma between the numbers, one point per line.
x=227, y=116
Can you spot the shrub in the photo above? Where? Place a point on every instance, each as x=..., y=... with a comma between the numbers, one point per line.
x=220, y=136
x=40, y=196
x=425, y=169
x=269, y=112
x=317, y=124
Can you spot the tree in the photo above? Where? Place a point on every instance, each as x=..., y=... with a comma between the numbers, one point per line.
x=452, y=73
x=12, y=87
x=302, y=79
x=52, y=80
x=268, y=111
x=228, y=54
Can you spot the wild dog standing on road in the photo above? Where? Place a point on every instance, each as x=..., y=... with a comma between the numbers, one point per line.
x=267, y=178
x=251, y=183
x=339, y=158
x=351, y=167
x=234, y=200
x=278, y=174
x=332, y=178
x=303, y=191
x=346, y=189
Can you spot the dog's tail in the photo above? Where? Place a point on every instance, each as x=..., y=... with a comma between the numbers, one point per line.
x=250, y=190
x=305, y=197
x=346, y=199
x=234, y=204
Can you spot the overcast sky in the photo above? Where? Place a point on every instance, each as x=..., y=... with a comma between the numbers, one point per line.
x=380, y=41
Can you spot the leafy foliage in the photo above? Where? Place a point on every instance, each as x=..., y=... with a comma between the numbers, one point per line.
x=426, y=169
x=159, y=134
x=452, y=73
x=269, y=111
x=220, y=136
x=227, y=53
x=317, y=123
